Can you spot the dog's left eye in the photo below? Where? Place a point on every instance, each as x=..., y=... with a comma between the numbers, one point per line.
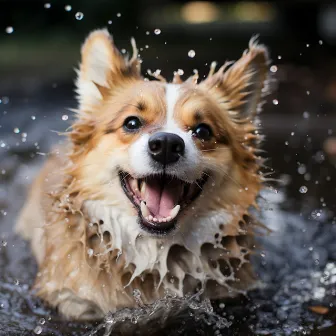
x=203, y=132
x=132, y=124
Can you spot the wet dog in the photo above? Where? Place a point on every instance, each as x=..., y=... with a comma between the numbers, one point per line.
x=153, y=189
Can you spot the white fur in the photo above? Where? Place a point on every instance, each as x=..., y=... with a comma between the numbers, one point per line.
x=172, y=95
x=148, y=253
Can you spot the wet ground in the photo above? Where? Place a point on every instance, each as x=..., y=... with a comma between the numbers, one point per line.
x=296, y=262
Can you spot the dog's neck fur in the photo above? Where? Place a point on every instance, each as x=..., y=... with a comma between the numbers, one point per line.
x=198, y=240
x=148, y=253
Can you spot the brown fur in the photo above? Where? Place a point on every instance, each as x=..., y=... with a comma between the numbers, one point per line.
x=87, y=285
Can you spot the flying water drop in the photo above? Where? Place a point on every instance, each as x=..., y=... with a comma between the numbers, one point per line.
x=191, y=53
x=9, y=30
x=79, y=16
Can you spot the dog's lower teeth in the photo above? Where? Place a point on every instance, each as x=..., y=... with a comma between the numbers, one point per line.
x=144, y=209
x=174, y=211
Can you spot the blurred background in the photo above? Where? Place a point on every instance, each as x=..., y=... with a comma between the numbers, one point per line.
x=40, y=47
x=40, y=44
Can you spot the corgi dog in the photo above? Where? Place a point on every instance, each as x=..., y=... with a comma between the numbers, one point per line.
x=153, y=189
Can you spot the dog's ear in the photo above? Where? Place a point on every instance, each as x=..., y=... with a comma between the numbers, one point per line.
x=102, y=68
x=239, y=87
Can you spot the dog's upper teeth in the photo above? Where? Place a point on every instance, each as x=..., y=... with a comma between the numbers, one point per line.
x=133, y=184
x=144, y=209
x=174, y=211
x=143, y=189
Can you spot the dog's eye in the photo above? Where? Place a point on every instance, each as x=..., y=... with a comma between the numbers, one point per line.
x=203, y=132
x=132, y=124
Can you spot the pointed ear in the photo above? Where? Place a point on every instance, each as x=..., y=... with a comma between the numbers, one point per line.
x=102, y=68
x=240, y=88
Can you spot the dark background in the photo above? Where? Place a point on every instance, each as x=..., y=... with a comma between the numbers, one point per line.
x=40, y=47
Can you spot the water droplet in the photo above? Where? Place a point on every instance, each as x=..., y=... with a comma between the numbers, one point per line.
x=90, y=252
x=302, y=169
x=38, y=330
x=308, y=93
x=17, y=282
x=16, y=130
x=47, y=5
x=191, y=53
x=157, y=31
x=65, y=117
x=109, y=22
x=33, y=117
x=147, y=32
x=180, y=72
x=307, y=45
x=275, y=102
x=68, y=8
x=274, y=68
x=316, y=214
x=4, y=243
x=292, y=133
x=305, y=114
x=303, y=189
x=79, y=16
x=42, y=321
x=320, y=42
x=9, y=30
x=279, y=57
x=118, y=14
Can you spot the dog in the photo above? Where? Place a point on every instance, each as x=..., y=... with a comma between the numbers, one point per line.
x=153, y=189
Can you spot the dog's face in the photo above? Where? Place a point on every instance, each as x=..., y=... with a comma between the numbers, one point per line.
x=157, y=150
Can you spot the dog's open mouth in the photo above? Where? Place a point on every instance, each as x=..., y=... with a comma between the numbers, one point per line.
x=160, y=199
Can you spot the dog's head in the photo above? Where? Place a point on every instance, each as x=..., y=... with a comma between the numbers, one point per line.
x=165, y=152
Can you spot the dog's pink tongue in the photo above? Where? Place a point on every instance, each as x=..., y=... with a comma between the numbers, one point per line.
x=162, y=198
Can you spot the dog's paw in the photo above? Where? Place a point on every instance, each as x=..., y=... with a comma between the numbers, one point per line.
x=74, y=307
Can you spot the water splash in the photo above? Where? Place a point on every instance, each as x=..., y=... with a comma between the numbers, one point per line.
x=161, y=315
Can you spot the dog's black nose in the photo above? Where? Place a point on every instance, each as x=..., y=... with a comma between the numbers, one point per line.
x=165, y=148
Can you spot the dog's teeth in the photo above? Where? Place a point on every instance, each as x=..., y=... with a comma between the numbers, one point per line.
x=175, y=211
x=168, y=219
x=155, y=219
x=160, y=220
x=143, y=189
x=150, y=217
x=144, y=210
x=133, y=184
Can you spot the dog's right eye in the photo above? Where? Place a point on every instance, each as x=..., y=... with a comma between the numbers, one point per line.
x=132, y=124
